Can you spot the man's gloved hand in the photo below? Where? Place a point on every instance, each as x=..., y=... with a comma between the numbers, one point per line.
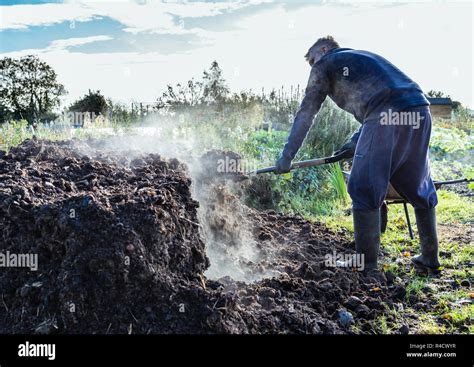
x=348, y=149
x=283, y=165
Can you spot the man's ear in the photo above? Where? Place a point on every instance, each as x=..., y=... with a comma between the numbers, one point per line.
x=324, y=50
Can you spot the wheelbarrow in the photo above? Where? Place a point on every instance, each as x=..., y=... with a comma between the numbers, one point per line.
x=393, y=197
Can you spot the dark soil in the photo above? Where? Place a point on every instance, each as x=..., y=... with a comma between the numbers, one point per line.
x=462, y=189
x=120, y=251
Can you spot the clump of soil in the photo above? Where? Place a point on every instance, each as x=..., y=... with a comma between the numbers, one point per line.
x=221, y=165
x=120, y=250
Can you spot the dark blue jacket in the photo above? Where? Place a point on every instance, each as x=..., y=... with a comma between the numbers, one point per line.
x=361, y=83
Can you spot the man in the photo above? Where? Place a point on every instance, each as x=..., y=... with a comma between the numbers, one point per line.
x=391, y=145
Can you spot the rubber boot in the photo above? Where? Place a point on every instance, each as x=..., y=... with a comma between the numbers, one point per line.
x=367, y=238
x=426, y=223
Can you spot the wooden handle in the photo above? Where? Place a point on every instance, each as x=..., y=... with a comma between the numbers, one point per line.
x=303, y=164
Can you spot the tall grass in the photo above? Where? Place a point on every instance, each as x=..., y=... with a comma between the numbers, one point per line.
x=15, y=132
x=338, y=182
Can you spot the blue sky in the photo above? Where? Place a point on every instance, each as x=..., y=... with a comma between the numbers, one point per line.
x=130, y=50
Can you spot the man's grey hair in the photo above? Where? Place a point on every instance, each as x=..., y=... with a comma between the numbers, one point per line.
x=327, y=41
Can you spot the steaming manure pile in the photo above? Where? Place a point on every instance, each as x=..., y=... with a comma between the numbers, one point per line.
x=120, y=249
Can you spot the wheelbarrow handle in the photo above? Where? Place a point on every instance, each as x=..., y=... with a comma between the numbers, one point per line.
x=451, y=182
x=304, y=164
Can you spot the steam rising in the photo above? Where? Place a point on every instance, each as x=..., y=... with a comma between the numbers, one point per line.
x=224, y=224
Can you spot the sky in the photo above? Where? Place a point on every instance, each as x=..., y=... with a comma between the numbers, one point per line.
x=130, y=50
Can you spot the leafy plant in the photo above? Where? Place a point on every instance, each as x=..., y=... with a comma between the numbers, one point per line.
x=338, y=182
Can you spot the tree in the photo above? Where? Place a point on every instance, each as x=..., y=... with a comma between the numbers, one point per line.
x=182, y=96
x=211, y=89
x=93, y=103
x=436, y=94
x=29, y=88
x=215, y=89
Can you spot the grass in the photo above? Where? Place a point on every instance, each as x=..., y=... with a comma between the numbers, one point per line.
x=15, y=132
x=459, y=254
x=415, y=287
x=336, y=177
x=428, y=324
x=454, y=209
x=384, y=329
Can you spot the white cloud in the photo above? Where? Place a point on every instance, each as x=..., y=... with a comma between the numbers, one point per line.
x=59, y=45
x=151, y=16
x=65, y=43
x=266, y=50
x=24, y=16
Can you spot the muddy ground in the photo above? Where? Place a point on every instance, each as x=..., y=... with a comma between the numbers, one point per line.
x=124, y=247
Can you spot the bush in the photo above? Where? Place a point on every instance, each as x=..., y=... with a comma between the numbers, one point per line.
x=451, y=153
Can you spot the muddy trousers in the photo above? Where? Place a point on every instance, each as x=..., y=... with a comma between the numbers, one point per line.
x=393, y=148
